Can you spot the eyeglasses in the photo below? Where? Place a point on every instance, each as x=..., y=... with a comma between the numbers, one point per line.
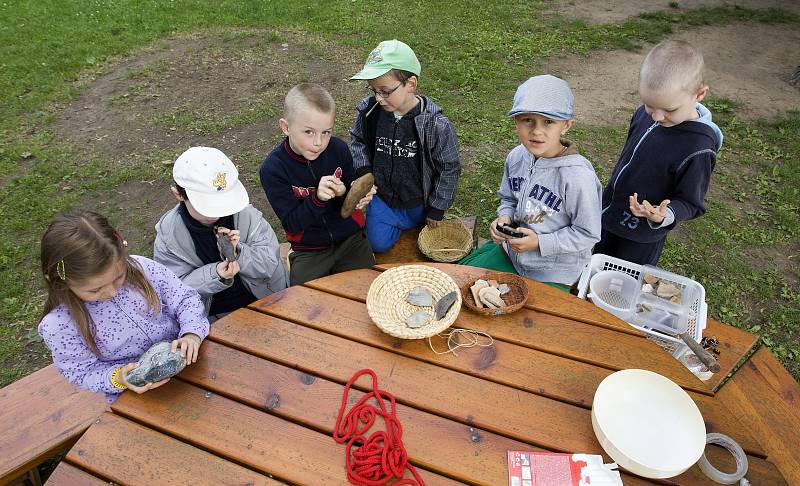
x=383, y=93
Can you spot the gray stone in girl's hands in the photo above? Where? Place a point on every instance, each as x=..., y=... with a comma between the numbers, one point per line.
x=156, y=364
x=419, y=296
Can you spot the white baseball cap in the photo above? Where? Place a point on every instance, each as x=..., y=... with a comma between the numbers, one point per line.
x=211, y=182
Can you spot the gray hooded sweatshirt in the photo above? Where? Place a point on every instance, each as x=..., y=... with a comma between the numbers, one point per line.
x=261, y=268
x=559, y=199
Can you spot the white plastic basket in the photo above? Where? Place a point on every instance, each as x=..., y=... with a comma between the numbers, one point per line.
x=695, y=303
x=614, y=292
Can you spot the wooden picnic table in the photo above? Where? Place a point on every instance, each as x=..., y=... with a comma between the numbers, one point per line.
x=261, y=403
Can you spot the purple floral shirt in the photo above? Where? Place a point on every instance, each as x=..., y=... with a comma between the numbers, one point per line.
x=125, y=329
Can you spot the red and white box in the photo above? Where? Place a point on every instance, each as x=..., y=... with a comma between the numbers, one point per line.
x=530, y=468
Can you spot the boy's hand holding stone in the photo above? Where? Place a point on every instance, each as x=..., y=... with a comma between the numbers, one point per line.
x=496, y=235
x=656, y=214
x=330, y=187
x=227, y=270
x=529, y=242
x=432, y=223
x=362, y=203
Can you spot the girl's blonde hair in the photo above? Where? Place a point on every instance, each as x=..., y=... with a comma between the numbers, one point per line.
x=76, y=247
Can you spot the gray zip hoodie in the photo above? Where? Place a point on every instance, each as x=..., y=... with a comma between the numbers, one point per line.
x=261, y=269
x=559, y=199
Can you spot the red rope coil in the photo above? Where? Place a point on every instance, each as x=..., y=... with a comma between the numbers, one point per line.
x=381, y=457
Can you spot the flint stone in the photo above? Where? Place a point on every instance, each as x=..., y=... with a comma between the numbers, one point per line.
x=358, y=189
x=503, y=288
x=444, y=304
x=417, y=319
x=667, y=290
x=156, y=364
x=226, y=248
x=419, y=296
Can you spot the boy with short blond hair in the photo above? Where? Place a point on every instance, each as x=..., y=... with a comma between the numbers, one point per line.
x=304, y=178
x=407, y=144
x=667, y=159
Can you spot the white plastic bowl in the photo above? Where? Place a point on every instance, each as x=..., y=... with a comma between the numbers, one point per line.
x=614, y=292
x=648, y=424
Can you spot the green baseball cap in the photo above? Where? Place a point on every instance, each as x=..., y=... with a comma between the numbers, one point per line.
x=391, y=54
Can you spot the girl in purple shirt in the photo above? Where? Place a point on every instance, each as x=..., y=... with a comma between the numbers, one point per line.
x=105, y=308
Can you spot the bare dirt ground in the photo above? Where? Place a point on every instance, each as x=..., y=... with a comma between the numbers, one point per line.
x=604, y=11
x=219, y=89
x=749, y=62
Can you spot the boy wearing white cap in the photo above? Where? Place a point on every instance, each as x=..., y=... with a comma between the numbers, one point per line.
x=406, y=143
x=549, y=213
x=213, y=202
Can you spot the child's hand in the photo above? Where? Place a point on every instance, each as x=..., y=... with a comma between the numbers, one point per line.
x=432, y=223
x=123, y=377
x=366, y=199
x=233, y=235
x=496, y=235
x=189, y=345
x=330, y=187
x=227, y=269
x=656, y=214
x=529, y=242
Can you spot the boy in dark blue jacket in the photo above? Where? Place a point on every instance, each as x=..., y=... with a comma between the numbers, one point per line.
x=667, y=160
x=305, y=177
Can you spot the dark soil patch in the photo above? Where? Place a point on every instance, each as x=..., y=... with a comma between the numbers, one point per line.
x=749, y=62
x=220, y=89
x=603, y=11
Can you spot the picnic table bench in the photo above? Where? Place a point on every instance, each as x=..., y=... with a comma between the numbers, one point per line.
x=260, y=405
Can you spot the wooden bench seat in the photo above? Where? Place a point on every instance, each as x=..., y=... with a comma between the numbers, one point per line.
x=773, y=422
x=405, y=250
x=41, y=415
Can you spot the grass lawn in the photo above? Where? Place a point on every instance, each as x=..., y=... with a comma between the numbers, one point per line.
x=473, y=54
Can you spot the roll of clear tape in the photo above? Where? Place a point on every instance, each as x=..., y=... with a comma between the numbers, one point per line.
x=738, y=454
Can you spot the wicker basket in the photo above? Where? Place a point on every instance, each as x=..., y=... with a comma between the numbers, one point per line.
x=448, y=242
x=515, y=298
x=387, y=306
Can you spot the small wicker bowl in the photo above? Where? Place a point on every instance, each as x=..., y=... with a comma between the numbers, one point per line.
x=515, y=298
x=387, y=306
x=448, y=242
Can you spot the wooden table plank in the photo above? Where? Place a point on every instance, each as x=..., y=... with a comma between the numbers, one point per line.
x=233, y=430
x=441, y=445
x=541, y=297
x=555, y=335
x=498, y=408
x=734, y=345
x=505, y=363
x=128, y=453
x=41, y=414
x=765, y=395
x=68, y=475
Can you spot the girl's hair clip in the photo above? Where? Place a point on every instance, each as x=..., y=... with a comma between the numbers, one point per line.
x=61, y=270
x=121, y=239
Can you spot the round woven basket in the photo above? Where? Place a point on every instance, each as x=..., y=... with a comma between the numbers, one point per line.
x=448, y=242
x=515, y=298
x=387, y=306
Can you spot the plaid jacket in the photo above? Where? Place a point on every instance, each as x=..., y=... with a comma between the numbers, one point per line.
x=441, y=166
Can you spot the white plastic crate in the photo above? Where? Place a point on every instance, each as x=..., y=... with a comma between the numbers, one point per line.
x=697, y=306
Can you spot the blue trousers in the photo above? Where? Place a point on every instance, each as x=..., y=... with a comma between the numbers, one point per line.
x=384, y=224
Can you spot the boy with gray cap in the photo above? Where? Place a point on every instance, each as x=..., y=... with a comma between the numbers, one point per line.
x=549, y=214
x=406, y=143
